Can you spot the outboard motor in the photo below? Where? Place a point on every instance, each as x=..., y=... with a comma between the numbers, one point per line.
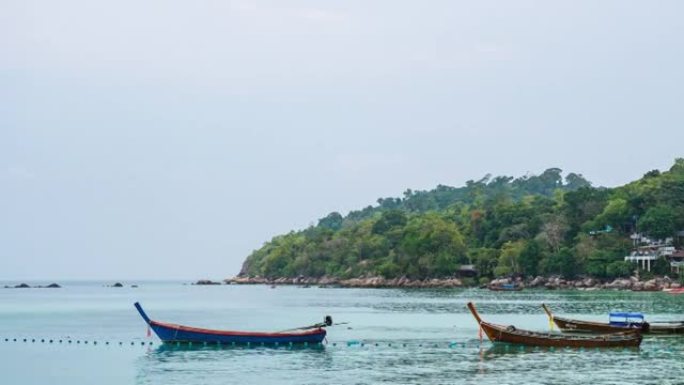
x=328, y=320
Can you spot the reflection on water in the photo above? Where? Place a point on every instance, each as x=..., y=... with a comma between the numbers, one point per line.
x=171, y=364
x=498, y=350
x=170, y=348
x=415, y=362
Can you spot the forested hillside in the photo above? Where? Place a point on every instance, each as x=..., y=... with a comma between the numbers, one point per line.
x=534, y=225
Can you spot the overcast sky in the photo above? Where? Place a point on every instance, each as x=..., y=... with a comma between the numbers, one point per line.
x=168, y=139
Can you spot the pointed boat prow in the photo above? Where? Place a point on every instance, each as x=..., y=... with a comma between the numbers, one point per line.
x=142, y=313
x=471, y=307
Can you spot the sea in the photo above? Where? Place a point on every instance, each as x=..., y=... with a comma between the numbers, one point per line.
x=90, y=333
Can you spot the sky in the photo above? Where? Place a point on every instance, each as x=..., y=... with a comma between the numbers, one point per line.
x=167, y=139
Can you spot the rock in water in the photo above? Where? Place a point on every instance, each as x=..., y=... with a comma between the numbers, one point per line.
x=53, y=286
x=118, y=284
x=22, y=286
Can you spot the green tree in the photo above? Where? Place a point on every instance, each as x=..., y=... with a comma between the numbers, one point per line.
x=508, y=260
x=620, y=269
x=597, y=263
x=563, y=263
x=661, y=266
x=388, y=220
x=529, y=258
x=659, y=222
x=576, y=181
x=485, y=260
x=616, y=214
x=433, y=245
x=332, y=221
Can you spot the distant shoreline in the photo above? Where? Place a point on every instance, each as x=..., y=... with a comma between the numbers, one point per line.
x=550, y=283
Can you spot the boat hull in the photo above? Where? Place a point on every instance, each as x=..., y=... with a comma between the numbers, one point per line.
x=512, y=335
x=576, y=326
x=179, y=333
x=172, y=333
x=497, y=333
x=570, y=325
x=504, y=288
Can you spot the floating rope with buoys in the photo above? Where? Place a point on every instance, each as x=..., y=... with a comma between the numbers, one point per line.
x=75, y=341
x=357, y=344
x=350, y=343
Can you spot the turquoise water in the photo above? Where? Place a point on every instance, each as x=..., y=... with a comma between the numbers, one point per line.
x=408, y=336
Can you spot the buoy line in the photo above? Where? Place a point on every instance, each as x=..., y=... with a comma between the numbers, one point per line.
x=349, y=344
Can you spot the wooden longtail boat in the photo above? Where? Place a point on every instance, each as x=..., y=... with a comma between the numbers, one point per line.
x=169, y=332
x=506, y=287
x=571, y=325
x=510, y=334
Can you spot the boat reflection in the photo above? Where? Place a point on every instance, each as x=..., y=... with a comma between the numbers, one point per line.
x=498, y=350
x=187, y=362
x=172, y=347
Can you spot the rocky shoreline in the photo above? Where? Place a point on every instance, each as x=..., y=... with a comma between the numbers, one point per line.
x=550, y=283
x=631, y=283
x=366, y=282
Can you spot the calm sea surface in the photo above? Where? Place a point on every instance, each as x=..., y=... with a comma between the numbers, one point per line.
x=393, y=336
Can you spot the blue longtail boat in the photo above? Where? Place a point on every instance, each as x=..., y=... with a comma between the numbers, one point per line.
x=169, y=332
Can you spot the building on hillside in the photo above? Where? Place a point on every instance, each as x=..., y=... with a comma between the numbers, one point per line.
x=639, y=239
x=645, y=256
x=677, y=261
x=467, y=271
